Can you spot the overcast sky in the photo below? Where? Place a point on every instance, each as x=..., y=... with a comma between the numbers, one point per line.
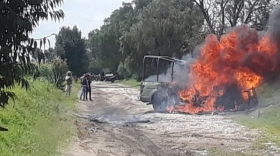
x=86, y=14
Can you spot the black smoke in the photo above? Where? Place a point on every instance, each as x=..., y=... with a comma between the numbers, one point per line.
x=268, y=66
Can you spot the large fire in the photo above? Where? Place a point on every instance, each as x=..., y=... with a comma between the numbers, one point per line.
x=238, y=60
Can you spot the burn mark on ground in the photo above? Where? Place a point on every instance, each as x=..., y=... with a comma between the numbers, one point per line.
x=119, y=119
x=164, y=134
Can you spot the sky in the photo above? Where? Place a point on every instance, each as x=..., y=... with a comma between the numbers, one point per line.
x=87, y=15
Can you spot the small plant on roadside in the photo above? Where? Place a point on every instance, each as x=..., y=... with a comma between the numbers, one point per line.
x=59, y=69
x=55, y=72
x=122, y=71
x=46, y=72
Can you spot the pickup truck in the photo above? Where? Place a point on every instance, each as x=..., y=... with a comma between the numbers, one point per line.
x=110, y=77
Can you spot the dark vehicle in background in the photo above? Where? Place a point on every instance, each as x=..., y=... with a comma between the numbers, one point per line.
x=110, y=77
x=107, y=77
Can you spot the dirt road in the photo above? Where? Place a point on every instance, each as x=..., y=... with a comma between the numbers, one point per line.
x=116, y=123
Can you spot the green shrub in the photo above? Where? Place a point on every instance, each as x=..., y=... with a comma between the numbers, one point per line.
x=122, y=71
x=59, y=69
x=54, y=72
x=46, y=72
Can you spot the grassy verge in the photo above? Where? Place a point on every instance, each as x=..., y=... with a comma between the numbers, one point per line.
x=265, y=119
x=218, y=152
x=131, y=83
x=40, y=122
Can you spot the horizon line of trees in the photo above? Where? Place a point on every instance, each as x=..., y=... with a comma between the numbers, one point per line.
x=153, y=27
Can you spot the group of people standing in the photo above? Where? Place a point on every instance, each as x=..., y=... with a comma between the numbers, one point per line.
x=86, y=87
x=85, y=84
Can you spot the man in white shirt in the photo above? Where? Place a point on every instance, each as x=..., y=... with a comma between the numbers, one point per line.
x=69, y=81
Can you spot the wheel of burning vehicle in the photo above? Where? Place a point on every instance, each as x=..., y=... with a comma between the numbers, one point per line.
x=161, y=100
x=157, y=101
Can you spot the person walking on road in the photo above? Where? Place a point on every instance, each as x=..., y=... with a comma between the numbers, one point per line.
x=83, y=88
x=88, y=88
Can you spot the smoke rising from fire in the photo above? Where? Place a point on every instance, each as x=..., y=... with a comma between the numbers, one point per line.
x=224, y=70
x=256, y=46
x=265, y=61
x=273, y=24
x=180, y=72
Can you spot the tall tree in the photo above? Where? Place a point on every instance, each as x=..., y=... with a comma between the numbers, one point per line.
x=162, y=27
x=166, y=27
x=38, y=55
x=220, y=15
x=104, y=43
x=71, y=47
x=50, y=54
x=18, y=20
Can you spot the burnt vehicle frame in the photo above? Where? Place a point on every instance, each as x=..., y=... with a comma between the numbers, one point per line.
x=164, y=94
x=155, y=92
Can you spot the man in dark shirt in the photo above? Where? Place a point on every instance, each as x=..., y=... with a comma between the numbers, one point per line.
x=88, y=88
x=83, y=87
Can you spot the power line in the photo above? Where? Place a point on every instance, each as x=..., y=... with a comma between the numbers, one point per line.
x=53, y=34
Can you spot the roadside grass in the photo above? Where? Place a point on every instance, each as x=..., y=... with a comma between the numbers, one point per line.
x=40, y=121
x=265, y=119
x=130, y=82
x=217, y=152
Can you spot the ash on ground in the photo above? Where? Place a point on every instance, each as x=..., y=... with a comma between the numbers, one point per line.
x=119, y=119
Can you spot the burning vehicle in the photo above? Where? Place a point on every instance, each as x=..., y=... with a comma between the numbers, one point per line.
x=166, y=95
x=222, y=76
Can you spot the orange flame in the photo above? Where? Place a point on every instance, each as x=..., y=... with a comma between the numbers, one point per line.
x=169, y=109
x=223, y=62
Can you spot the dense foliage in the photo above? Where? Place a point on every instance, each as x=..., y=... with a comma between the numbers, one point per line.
x=54, y=72
x=166, y=27
x=71, y=47
x=142, y=27
x=18, y=20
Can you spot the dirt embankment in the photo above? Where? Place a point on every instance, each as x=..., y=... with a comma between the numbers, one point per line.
x=123, y=126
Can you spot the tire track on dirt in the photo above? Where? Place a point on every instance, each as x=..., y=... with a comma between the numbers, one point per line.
x=138, y=142
x=113, y=139
x=135, y=139
x=168, y=135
